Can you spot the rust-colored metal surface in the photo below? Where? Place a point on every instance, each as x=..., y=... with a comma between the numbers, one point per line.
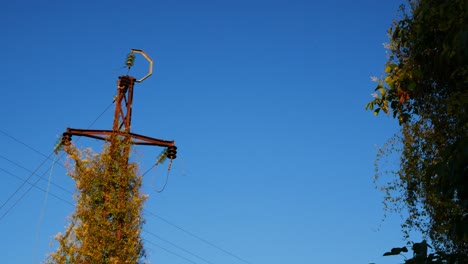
x=122, y=124
x=122, y=121
x=123, y=104
x=105, y=134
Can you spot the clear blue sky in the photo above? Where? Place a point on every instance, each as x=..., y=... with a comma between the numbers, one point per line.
x=265, y=100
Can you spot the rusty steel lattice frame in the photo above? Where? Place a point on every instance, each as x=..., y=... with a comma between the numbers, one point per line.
x=123, y=104
x=122, y=120
x=122, y=125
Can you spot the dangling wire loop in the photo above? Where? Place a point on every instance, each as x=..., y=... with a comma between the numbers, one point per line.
x=161, y=158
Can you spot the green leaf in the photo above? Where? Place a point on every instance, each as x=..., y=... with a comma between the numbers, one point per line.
x=376, y=112
x=382, y=92
x=389, y=80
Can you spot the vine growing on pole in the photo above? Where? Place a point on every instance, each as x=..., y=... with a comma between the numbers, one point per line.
x=106, y=226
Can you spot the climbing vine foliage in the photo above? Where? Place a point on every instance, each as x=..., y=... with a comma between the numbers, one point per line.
x=425, y=88
x=106, y=226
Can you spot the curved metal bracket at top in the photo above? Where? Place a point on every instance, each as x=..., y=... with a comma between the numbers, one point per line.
x=148, y=59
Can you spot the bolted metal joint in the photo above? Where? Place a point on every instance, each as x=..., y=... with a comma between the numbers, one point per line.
x=125, y=82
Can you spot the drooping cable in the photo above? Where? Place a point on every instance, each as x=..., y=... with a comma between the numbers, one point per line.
x=165, y=182
x=44, y=204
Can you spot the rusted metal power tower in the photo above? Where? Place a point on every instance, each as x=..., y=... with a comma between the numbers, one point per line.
x=123, y=115
x=107, y=221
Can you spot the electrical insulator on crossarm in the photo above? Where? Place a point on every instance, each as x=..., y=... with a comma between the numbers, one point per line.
x=172, y=152
x=63, y=142
x=66, y=139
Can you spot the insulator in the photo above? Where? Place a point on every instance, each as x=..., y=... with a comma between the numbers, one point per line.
x=162, y=157
x=130, y=60
x=172, y=152
x=66, y=138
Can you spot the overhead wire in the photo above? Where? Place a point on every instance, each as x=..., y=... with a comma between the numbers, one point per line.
x=145, y=230
x=43, y=209
x=171, y=252
x=41, y=189
x=148, y=170
x=20, y=198
x=24, y=182
x=165, y=182
x=30, y=171
x=198, y=237
x=163, y=187
x=22, y=143
x=161, y=158
x=47, y=191
x=169, y=242
x=48, y=187
x=99, y=116
x=145, y=210
x=32, y=174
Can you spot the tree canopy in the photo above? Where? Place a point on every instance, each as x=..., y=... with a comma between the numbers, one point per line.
x=424, y=88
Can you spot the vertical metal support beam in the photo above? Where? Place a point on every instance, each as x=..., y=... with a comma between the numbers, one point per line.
x=122, y=123
x=123, y=104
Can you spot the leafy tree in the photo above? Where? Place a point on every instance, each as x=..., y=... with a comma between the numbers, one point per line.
x=106, y=225
x=425, y=88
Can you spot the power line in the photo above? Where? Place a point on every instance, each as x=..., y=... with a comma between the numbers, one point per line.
x=186, y=251
x=23, y=195
x=22, y=143
x=172, y=252
x=39, y=222
x=199, y=238
x=24, y=182
x=32, y=174
x=149, y=212
x=99, y=116
x=47, y=191
x=30, y=171
x=146, y=231
x=67, y=202
x=41, y=189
